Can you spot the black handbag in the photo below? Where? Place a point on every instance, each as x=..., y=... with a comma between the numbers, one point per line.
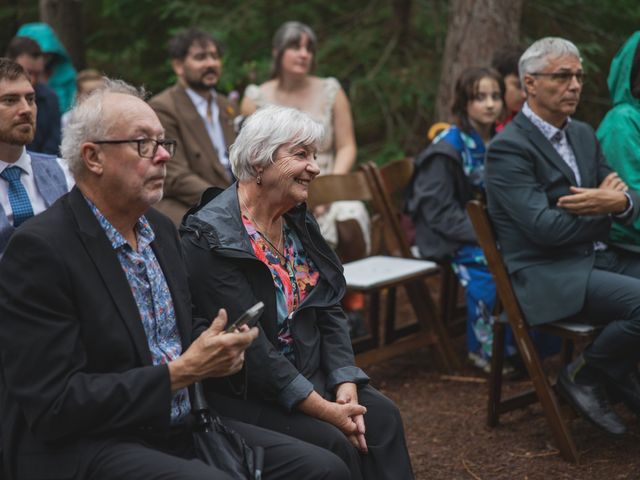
x=220, y=446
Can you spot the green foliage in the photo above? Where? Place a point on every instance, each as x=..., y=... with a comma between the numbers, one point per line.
x=385, y=53
x=385, y=64
x=598, y=28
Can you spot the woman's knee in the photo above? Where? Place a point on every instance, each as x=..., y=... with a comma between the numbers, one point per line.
x=329, y=466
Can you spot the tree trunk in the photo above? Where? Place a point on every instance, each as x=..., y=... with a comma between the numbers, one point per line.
x=476, y=29
x=65, y=17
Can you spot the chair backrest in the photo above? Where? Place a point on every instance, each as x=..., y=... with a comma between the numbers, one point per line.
x=397, y=175
x=327, y=189
x=387, y=182
x=484, y=232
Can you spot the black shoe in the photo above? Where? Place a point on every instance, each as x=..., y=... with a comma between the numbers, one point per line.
x=591, y=402
x=627, y=390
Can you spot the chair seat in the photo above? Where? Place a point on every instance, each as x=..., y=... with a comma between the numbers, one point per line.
x=576, y=327
x=380, y=271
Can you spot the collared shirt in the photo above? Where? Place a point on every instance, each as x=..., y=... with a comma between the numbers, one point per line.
x=558, y=139
x=153, y=298
x=28, y=180
x=213, y=126
x=294, y=278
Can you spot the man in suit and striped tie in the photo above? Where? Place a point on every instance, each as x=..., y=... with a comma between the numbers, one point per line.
x=29, y=182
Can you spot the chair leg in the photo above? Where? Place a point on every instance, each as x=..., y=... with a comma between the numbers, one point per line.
x=547, y=397
x=426, y=312
x=390, y=316
x=374, y=318
x=566, y=351
x=495, y=375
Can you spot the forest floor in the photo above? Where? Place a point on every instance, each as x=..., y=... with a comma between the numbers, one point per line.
x=448, y=438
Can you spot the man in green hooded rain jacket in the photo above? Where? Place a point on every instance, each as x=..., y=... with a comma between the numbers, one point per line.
x=619, y=132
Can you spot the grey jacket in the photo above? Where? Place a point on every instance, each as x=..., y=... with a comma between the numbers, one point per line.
x=437, y=202
x=548, y=251
x=224, y=272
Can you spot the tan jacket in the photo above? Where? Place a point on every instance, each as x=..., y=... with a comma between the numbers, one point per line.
x=195, y=166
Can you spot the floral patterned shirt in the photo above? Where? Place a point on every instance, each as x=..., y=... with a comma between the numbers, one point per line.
x=293, y=280
x=153, y=298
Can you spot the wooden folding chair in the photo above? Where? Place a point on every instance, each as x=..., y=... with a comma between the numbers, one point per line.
x=374, y=274
x=570, y=331
x=393, y=178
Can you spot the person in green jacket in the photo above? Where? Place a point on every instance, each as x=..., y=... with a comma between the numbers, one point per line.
x=61, y=75
x=619, y=132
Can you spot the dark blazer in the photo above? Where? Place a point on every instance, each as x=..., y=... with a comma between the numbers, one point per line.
x=76, y=367
x=195, y=166
x=224, y=272
x=548, y=251
x=48, y=130
x=439, y=193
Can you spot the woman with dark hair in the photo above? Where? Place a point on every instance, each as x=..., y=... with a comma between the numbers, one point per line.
x=449, y=173
x=255, y=241
x=293, y=85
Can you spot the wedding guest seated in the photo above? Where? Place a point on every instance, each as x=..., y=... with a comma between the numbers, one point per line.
x=449, y=173
x=619, y=132
x=505, y=62
x=292, y=84
x=29, y=182
x=552, y=200
x=256, y=241
x=97, y=338
x=28, y=54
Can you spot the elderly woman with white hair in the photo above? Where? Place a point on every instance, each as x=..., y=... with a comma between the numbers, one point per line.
x=255, y=241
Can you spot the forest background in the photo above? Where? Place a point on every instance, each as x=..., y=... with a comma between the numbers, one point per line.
x=396, y=59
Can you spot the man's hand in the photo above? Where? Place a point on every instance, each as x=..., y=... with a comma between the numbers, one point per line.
x=613, y=182
x=595, y=201
x=212, y=354
x=348, y=393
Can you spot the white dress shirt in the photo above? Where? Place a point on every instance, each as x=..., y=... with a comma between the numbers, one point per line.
x=28, y=180
x=213, y=127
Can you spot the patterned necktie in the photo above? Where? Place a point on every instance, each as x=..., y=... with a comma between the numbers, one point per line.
x=18, y=198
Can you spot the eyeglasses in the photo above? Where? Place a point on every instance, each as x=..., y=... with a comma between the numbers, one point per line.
x=147, y=147
x=562, y=77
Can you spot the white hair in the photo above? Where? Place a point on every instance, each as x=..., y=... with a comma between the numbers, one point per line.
x=264, y=132
x=537, y=56
x=87, y=122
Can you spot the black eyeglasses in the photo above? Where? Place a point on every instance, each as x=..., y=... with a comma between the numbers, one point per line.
x=147, y=147
x=562, y=77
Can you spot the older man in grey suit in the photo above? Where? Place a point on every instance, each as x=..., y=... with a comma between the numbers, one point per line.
x=552, y=200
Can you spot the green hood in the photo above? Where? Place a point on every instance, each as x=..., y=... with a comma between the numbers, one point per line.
x=619, y=133
x=619, y=80
x=63, y=77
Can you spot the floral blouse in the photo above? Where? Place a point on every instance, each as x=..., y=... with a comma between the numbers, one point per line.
x=293, y=279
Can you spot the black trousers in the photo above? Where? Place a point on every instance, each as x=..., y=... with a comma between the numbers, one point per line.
x=388, y=458
x=173, y=459
x=613, y=298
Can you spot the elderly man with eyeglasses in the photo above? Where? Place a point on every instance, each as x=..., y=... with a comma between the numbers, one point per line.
x=552, y=199
x=97, y=339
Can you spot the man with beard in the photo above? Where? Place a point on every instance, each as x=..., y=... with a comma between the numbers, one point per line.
x=199, y=118
x=552, y=200
x=29, y=182
x=27, y=53
x=98, y=343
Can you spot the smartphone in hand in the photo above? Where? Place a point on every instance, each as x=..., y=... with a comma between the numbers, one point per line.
x=250, y=316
